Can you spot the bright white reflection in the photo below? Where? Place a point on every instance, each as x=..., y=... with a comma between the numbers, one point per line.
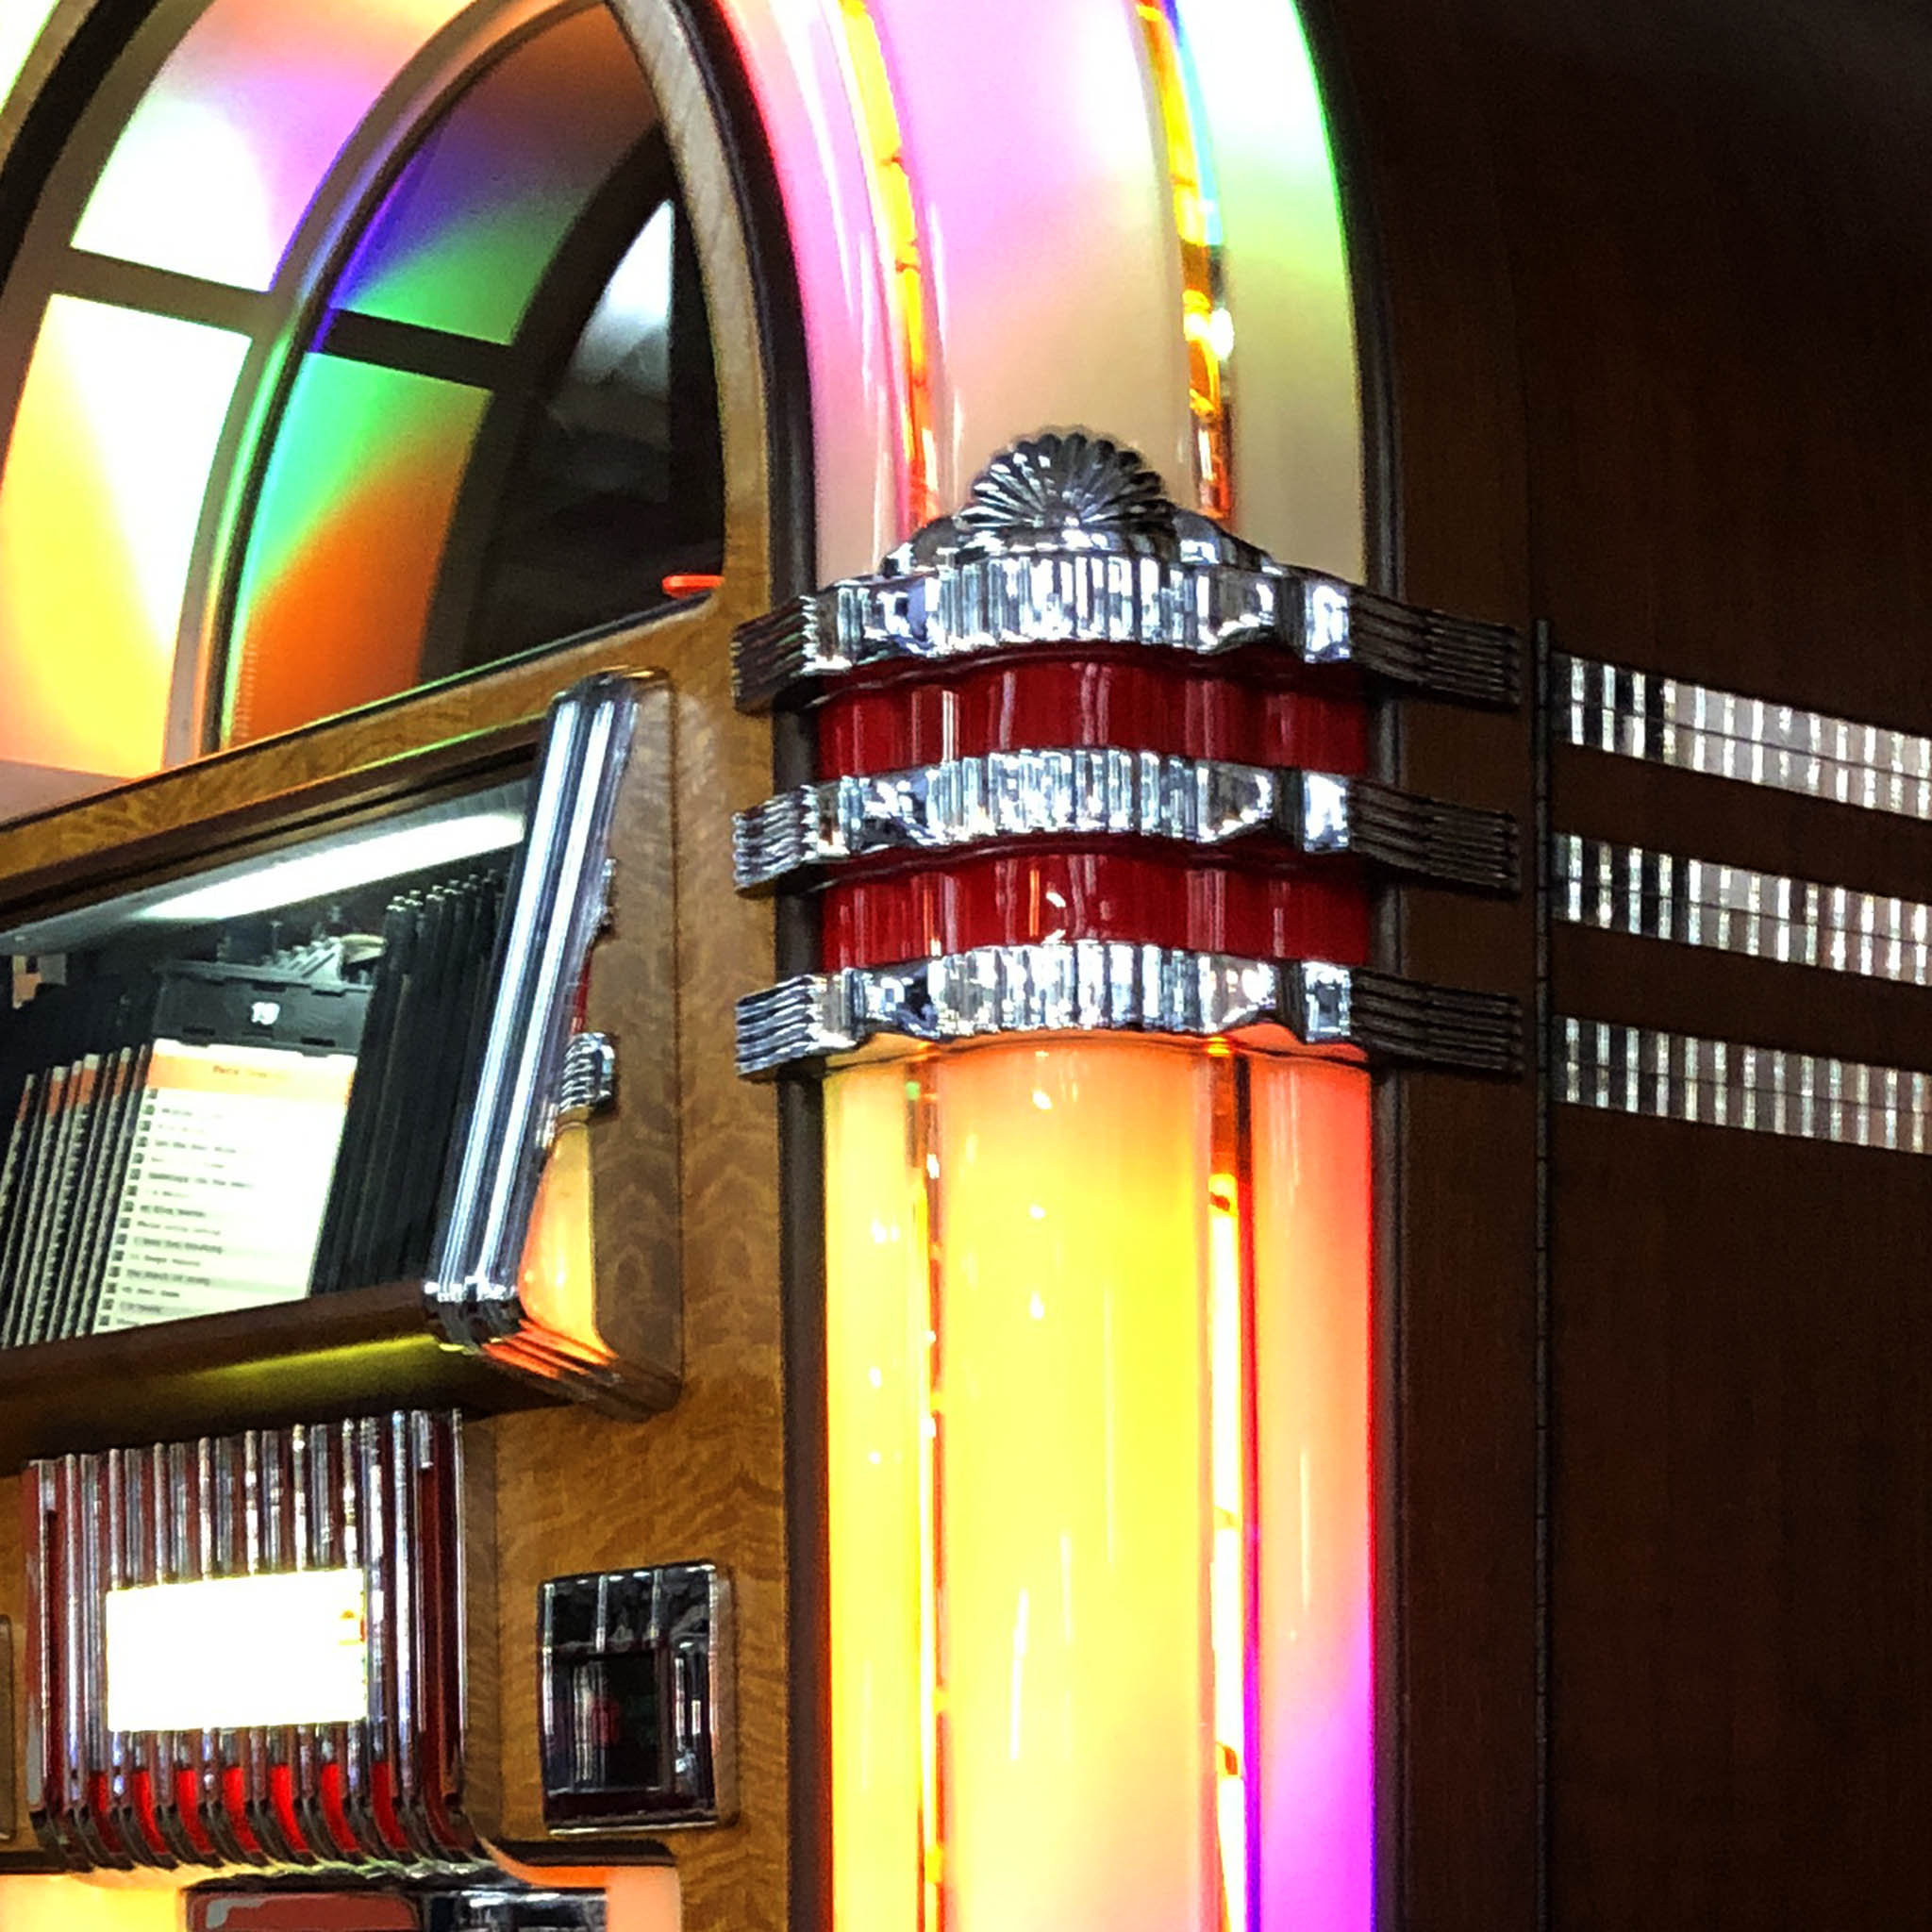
x=630, y=327
x=20, y=21
x=233, y=1651
x=337, y=868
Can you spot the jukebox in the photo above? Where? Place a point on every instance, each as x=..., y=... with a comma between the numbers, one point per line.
x=783, y=1075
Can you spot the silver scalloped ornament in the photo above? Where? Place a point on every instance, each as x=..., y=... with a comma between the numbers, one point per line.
x=1059, y=482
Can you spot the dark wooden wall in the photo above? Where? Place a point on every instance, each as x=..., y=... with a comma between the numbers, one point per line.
x=1655, y=284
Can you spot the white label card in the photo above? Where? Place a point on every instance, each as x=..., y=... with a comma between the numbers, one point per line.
x=234, y=1651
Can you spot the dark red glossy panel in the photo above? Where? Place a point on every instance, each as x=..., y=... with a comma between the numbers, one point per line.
x=1316, y=912
x=1136, y=702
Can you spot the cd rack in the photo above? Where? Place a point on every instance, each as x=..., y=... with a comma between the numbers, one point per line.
x=322, y=1119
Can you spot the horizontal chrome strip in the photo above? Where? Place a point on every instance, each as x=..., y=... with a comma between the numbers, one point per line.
x=1102, y=791
x=1732, y=909
x=1758, y=1090
x=1099, y=986
x=1668, y=721
x=978, y=605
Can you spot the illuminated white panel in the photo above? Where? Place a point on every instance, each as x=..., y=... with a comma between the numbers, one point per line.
x=233, y=1651
x=99, y=503
x=337, y=868
x=231, y=142
x=1047, y=213
x=20, y=21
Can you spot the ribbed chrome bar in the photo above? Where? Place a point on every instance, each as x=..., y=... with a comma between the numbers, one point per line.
x=1102, y=986
x=1762, y=1089
x=1732, y=909
x=1069, y=541
x=1103, y=792
x=1670, y=721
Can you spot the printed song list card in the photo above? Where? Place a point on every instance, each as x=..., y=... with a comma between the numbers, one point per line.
x=227, y=1181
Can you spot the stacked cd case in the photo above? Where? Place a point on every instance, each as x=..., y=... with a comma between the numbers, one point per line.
x=192, y=1135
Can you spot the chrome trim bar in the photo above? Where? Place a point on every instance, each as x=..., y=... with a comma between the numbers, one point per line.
x=1694, y=727
x=1731, y=909
x=1762, y=1090
x=1102, y=986
x=556, y=907
x=1105, y=792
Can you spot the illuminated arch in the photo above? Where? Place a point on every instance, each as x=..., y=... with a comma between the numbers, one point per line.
x=321, y=313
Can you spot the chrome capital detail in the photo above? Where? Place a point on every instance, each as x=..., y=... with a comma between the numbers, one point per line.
x=1106, y=986
x=1071, y=540
x=1105, y=792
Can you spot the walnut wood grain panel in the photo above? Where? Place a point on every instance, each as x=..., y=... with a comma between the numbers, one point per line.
x=1677, y=248
x=575, y=1490
x=632, y=1000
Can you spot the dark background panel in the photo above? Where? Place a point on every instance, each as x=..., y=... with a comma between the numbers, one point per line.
x=1654, y=281
x=1742, y=1717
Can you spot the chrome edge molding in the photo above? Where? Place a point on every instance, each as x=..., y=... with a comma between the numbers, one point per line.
x=1105, y=986
x=1669, y=721
x=1108, y=793
x=1762, y=1089
x=556, y=907
x=1070, y=539
x=1731, y=909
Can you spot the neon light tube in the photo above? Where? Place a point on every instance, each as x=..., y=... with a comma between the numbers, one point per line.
x=1207, y=326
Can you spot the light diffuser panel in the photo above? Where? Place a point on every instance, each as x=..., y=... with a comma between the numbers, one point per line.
x=99, y=502
x=229, y=144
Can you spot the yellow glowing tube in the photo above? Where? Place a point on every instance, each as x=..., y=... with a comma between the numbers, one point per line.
x=1036, y=1339
x=1073, y=1509
x=875, y=1367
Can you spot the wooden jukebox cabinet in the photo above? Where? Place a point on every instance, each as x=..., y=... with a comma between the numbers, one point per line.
x=578, y=1348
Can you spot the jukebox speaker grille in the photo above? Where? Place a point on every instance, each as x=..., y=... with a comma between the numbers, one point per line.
x=248, y=1649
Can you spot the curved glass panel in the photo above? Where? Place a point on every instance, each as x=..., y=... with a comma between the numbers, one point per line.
x=475, y=220
x=531, y=257
x=230, y=145
x=349, y=535
x=500, y=430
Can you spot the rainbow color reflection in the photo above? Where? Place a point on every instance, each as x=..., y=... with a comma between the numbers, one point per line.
x=240, y=127
x=463, y=238
x=347, y=542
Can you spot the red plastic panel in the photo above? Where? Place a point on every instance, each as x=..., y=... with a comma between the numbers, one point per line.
x=1134, y=704
x=1320, y=912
